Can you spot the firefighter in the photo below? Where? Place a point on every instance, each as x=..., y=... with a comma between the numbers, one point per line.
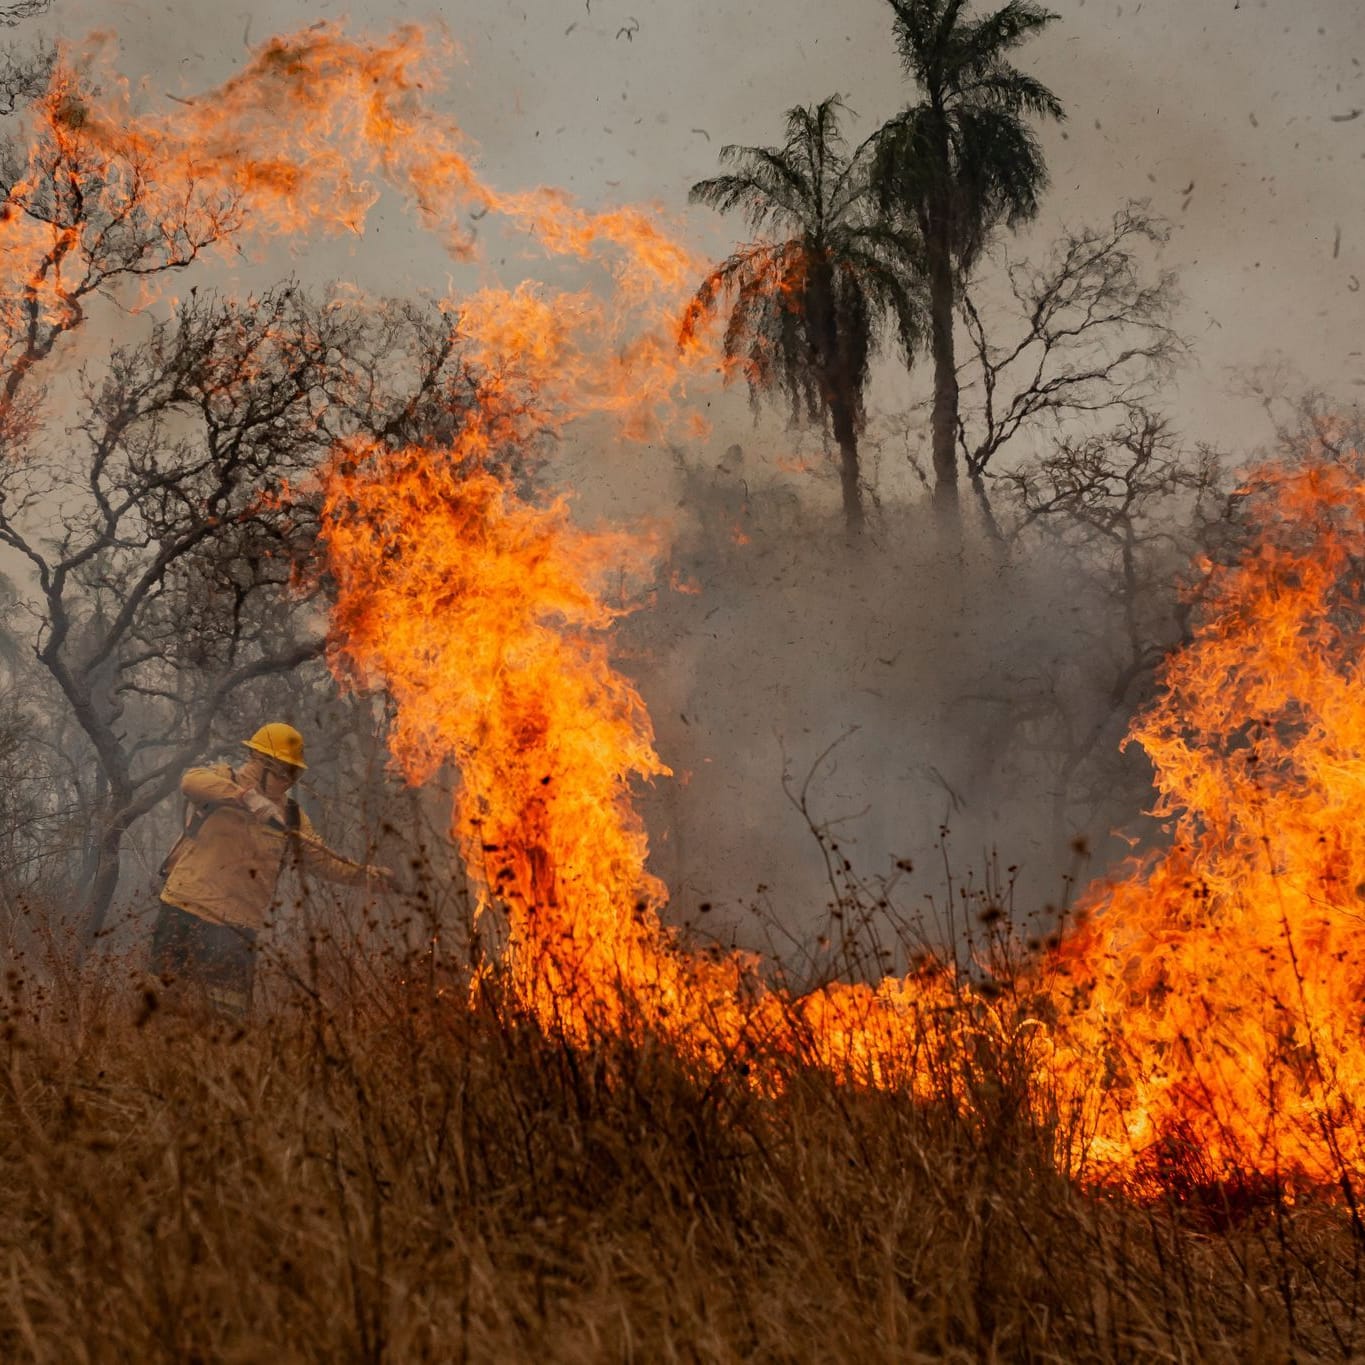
x=241, y=828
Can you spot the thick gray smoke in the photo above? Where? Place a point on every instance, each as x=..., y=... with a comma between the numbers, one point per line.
x=928, y=704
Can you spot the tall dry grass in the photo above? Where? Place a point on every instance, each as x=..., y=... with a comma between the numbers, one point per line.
x=372, y=1169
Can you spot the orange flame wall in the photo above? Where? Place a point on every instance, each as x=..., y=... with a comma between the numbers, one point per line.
x=1218, y=991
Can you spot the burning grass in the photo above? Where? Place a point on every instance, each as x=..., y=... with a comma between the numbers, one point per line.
x=391, y=1174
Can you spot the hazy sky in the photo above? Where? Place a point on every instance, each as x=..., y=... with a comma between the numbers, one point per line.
x=1256, y=103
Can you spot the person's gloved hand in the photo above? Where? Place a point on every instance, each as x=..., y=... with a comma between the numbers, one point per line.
x=263, y=808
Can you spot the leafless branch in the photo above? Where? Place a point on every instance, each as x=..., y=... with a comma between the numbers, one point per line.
x=1093, y=334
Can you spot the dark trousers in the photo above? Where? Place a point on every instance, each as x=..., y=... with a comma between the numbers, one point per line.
x=217, y=959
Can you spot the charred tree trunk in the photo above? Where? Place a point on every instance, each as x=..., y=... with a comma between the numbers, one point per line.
x=996, y=537
x=837, y=388
x=850, y=476
x=90, y=851
x=100, y=893
x=944, y=421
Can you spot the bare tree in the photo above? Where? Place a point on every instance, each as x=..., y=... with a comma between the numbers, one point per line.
x=1092, y=334
x=156, y=496
x=1303, y=420
x=169, y=456
x=80, y=222
x=24, y=75
x=43, y=789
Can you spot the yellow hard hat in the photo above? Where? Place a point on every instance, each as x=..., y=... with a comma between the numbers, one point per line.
x=278, y=741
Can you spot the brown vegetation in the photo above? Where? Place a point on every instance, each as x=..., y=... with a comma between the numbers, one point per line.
x=381, y=1171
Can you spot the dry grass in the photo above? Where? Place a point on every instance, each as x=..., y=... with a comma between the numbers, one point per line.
x=386, y=1174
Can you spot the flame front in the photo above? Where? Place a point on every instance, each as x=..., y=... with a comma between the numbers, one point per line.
x=1219, y=991
x=1213, y=1001
x=485, y=618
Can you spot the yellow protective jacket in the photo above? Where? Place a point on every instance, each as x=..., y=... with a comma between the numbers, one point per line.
x=228, y=870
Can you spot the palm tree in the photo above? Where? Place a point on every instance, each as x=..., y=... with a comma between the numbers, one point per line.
x=960, y=162
x=809, y=302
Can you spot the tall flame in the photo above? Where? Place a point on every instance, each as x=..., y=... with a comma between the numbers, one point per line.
x=1220, y=989
x=485, y=618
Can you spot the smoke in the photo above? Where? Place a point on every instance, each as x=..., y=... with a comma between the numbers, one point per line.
x=919, y=700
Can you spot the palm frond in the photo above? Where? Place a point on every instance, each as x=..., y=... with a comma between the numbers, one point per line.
x=999, y=164
x=964, y=158
x=766, y=186
x=982, y=42
x=805, y=308
x=726, y=279
x=810, y=125
x=1012, y=92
